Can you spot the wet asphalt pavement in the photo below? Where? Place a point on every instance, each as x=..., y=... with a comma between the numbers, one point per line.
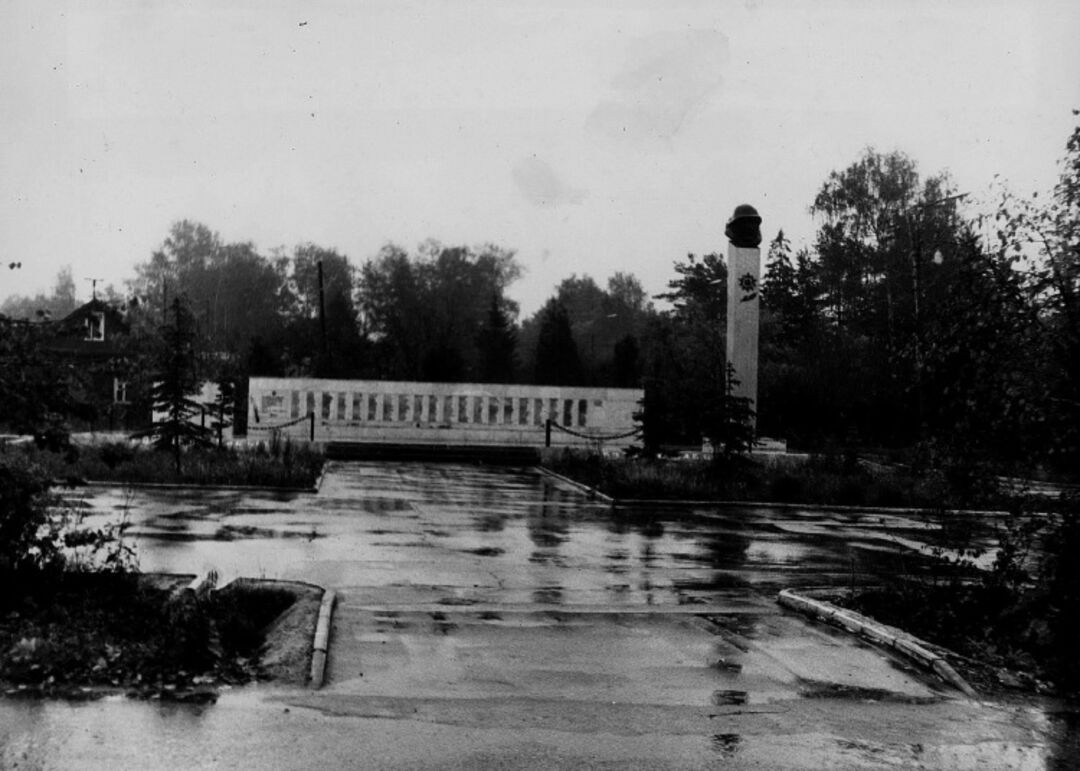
x=494, y=617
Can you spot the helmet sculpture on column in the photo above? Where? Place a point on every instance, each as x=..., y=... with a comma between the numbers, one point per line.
x=744, y=227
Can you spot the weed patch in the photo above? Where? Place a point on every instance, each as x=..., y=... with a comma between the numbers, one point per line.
x=1012, y=625
x=281, y=464
x=819, y=480
x=69, y=631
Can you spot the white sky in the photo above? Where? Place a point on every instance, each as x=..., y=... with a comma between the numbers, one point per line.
x=589, y=136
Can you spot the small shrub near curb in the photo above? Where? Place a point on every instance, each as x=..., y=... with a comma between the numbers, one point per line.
x=77, y=631
x=77, y=620
x=1013, y=625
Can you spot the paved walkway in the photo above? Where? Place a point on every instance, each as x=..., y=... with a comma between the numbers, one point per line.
x=493, y=618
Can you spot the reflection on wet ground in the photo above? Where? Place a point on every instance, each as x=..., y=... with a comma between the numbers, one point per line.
x=519, y=523
x=503, y=601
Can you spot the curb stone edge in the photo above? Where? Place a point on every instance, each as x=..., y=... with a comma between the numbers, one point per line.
x=881, y=634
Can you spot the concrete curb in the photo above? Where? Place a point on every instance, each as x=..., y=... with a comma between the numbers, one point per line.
x=592, y=492
x=322, y=476
x=321, y=642
x=880, y=634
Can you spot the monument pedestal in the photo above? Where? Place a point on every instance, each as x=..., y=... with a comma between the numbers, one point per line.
x=743, y=311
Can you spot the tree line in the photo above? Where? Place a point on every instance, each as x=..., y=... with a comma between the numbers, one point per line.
x=903, y=324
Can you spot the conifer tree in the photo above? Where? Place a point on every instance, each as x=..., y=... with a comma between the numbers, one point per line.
x=497, y=341
x=176, y=381
x=557, y=361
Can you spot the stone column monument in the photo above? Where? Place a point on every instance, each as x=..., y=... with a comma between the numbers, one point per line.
x=744, y=271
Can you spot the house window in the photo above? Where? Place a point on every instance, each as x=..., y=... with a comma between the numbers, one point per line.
x=120, y=391
x=95, y=327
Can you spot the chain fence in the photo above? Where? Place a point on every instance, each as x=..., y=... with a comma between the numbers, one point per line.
x=279, y=426
x=595, y=440
x=596, y=437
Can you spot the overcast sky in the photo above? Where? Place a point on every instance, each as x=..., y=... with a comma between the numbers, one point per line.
x=589, y=136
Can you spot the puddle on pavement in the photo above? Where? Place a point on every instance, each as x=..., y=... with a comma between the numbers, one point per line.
x=726, y=745
x=169, y=526
x=389, y=621
x=457, y=601
x=170, y=536
x=367, y=505
x=728, y=698
x=548, y=595
x=442, y=624
x=547, y=558
x=235, y=532
x=743, y=625
x=547, y=538
x=812, y=689
x=716, y=581
x=368, y=514
x=486, y=551
x=725, y=665
x=866, y=750
x=491, y=522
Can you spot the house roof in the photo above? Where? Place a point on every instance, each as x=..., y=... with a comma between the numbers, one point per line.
x=75, y=322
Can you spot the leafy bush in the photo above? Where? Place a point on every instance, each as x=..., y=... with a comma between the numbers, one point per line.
x=39, y=535
x=113, y=454
x=1019, y=613
x=113, y=629
x=1060, y=584
x=30, y=536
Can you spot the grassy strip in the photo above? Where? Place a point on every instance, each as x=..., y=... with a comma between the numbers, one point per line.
x=281, y=464
x=819, y=480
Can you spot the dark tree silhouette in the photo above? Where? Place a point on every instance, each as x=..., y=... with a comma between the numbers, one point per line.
x=627, y=362
x=497, y=342
x=557, y=361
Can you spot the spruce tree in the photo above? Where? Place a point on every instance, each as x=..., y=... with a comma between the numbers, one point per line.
x=176, y=382
x=557, y=361
x=497, y=342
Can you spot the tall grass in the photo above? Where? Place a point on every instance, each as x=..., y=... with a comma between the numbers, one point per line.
x=822, y=480
x=280, y=463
